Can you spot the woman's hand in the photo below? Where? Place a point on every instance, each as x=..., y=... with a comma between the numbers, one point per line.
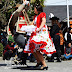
x=37, y=30
x=42, y=24
x=69, y=44
x=66, y=54
x=31, y=23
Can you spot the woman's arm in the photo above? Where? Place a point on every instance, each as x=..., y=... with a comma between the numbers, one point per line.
x=42, y=24
x=32, y=23
x=15, y=16
x=68, y=54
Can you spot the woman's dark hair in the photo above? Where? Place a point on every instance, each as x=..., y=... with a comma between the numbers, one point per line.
x=39, y=8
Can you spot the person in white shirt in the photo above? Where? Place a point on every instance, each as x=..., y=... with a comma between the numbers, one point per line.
x=68, y=43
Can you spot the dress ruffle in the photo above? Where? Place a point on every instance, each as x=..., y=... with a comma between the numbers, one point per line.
x=43, y=42
x=44, y=51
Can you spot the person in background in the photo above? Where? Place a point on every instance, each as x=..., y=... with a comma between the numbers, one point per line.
x=10, y=38
x=54, y=32
x=68, y=43
x=9, y=50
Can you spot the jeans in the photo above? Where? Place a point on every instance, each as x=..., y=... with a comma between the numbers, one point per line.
x=67, y=57
x=20, y=40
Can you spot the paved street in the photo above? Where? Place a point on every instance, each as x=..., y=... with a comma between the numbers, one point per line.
x=64, y=66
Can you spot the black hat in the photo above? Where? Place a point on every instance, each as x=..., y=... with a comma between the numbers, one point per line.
x=54, y=18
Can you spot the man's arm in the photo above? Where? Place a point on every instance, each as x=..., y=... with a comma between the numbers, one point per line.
x=13, y=21
x=15, y=16
x=20, y=8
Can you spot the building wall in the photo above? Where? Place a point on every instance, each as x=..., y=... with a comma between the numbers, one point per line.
x=59, y=10
x=57, y=2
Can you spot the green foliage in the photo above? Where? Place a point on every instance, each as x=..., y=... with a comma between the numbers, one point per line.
x=7, y=9
x=38, y=1
x=1, y=49
x=42, y=2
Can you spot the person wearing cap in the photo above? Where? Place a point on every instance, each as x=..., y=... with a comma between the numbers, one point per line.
x=54, y=32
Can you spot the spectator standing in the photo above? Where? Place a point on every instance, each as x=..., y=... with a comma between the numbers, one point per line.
x=54, y=32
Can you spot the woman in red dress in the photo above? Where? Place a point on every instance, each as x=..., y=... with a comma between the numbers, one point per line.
x=40, y=40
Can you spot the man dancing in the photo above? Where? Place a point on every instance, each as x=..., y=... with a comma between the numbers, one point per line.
x=18, y=37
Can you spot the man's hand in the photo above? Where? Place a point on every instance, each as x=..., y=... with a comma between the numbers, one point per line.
x=26, y=2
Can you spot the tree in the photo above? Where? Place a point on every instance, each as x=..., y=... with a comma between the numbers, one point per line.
x=38, y=1
x=6, y=9
x=1, y=49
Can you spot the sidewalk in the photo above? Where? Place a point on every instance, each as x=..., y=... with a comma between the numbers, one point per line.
x=64, y=66
x=0, y=58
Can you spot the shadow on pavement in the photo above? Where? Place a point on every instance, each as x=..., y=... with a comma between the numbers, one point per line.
x=2, y=64
x=28, y=68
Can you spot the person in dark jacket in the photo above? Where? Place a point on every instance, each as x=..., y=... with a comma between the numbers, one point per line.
x=54, y=32
x=9, y=50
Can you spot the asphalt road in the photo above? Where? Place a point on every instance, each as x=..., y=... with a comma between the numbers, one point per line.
x=64, y=66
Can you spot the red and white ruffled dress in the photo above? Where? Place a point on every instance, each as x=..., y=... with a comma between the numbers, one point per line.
x=40, y=41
